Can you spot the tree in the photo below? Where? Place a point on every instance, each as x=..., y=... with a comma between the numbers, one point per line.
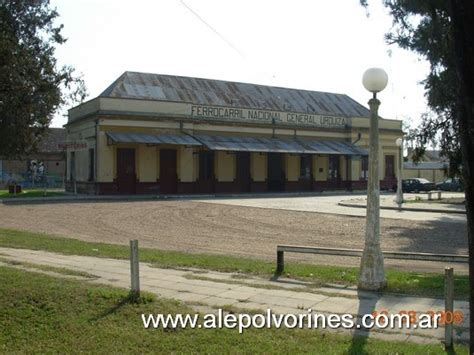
x=442, y=32
x=32, y=88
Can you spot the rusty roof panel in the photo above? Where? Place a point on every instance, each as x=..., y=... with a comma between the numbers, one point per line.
x=222, y=93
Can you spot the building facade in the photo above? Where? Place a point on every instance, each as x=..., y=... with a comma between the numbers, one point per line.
x=161, y=134
x=49, y=159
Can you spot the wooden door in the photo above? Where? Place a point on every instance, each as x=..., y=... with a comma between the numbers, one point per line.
x=168, y=171
x=275, y=172
x=206, y=179
x=243, y=171
x=389, y=166
x=126, y=175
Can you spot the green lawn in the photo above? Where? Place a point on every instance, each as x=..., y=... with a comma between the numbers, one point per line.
x=42, y=314
x=30, y=193
x=412, y=283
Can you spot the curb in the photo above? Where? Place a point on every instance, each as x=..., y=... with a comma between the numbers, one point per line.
x=413, y=209
x=130, y=198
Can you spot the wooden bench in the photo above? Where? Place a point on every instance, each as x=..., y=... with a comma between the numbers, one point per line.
x=281, y=249
x=430, y=194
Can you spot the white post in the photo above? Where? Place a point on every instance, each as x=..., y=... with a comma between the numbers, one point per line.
x=372, y=275
x=448, y=307
x=134, y=268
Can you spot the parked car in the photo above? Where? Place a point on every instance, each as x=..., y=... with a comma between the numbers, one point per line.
x=417, y=185
x=450, y=185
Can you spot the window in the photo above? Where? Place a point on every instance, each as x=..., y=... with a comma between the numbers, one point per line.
x=306, y=167
x=364, y=167
x=389, y=166
x=333, y=172
x=206, y=165
x=91, y=164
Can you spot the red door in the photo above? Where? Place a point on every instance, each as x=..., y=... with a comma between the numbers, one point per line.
x=243, y=171
x=206, y=172
x=126, y=176
x=168, y=174
x=389, y=167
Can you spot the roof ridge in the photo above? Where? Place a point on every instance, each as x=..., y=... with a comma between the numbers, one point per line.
x=217, y=92
x=110, y=88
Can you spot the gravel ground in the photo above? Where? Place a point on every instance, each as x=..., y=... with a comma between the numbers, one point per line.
x=232, y=230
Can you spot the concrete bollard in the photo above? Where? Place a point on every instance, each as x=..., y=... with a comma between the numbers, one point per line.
x=134, y=269
x=448, y=307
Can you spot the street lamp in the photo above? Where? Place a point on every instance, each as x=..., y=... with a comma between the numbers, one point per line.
x=372, y=275
x=399, y=199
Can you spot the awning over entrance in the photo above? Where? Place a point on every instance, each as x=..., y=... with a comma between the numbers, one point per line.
x=252, y=144
x=279, y=145
x=333, y=147
x=242, y=143
x=175, y=139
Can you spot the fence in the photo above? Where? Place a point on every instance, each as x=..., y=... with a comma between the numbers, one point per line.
x=30, y=181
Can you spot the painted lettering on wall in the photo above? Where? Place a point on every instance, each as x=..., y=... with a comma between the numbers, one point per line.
x=73, y=145
x=266, y=116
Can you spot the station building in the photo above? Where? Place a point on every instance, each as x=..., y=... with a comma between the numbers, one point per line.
x=162, y=134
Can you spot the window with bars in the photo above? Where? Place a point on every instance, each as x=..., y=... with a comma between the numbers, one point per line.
x=333, y=172
x=206, y=165
x=306, y=167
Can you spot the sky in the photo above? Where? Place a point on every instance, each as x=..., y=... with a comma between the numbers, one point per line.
x=304, y=44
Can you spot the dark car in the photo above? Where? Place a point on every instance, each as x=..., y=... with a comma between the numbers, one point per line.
x=417, y=185
x=450, y=185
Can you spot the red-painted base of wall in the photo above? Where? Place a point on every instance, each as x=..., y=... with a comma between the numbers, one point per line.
x=153, y=188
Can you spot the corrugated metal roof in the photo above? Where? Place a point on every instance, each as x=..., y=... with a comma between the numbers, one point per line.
x=224, y=93
x=333, y=147
x=242, y=143
x=252, y=144
x=152, y=138
x=425, y=165
x=279, y=145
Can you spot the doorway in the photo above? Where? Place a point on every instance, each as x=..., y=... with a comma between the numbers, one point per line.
x=126, y=175
x=334, y=176
x=275, y=172
x=206, y=171
x=243, y=171
x=168, y=171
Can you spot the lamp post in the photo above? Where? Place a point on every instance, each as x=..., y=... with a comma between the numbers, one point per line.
x=372, y=275
x=399, y=199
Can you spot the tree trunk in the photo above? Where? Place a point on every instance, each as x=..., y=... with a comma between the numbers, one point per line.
x=462, y=15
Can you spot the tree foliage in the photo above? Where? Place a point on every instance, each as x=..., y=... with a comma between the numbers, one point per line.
x=424, y=27
x=32, y=87
x=443, y=32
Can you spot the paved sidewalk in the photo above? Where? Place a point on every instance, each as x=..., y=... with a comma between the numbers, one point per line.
x=330, y=204
x=206, y=291
x=71, y=197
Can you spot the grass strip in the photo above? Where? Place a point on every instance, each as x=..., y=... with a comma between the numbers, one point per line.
x=412, y=283
x=57, y=270
x=43, y=314
x=4, y=194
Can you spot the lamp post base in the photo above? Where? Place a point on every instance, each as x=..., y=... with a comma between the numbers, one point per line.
x=372, y=275
x=371, y=286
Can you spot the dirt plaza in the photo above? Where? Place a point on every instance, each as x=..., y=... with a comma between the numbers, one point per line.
x=213, y=228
